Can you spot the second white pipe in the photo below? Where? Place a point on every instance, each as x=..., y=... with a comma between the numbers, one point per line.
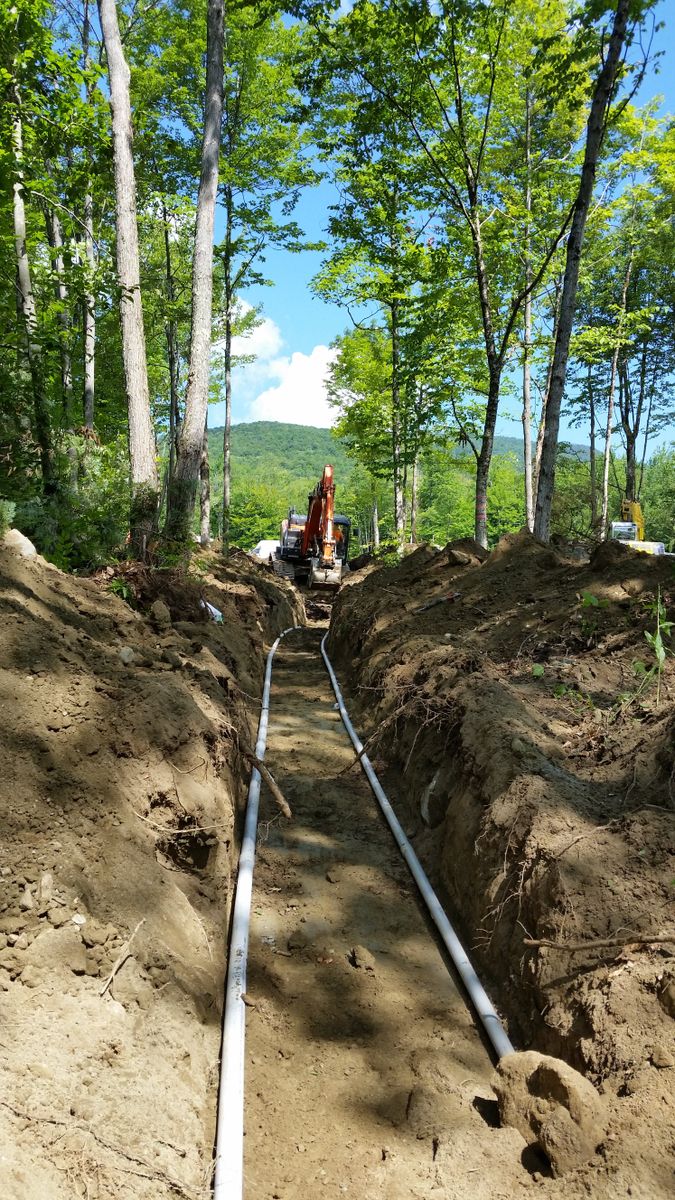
x=476, y=992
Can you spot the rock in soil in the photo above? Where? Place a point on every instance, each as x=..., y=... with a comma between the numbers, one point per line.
x=552, y=1105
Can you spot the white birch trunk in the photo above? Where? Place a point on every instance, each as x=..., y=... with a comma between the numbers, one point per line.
x=26, y=306
x=142, y=448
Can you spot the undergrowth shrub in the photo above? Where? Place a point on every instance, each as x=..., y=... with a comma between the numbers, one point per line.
x=84, y=527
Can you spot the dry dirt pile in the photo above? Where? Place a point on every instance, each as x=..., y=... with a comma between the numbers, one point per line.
x=510, y=702
x=121, y=781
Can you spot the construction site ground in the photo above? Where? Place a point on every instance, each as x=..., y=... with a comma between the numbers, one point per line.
x=532, y=767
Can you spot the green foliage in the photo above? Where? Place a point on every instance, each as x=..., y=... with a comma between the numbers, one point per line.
x=7, y=510
x=81, y=530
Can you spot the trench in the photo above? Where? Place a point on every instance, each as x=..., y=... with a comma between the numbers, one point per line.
x=365, y=1072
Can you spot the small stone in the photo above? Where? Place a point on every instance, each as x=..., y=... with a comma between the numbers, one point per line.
x=662, y=1058
x=174, y=660
x=297, y=940
x=333, y=875
x=160, y=613
x=126, y=655
x=78, y=919
x=58, y=917
x=30, y=976
x=21, y=942
x=26, y=902
x=77, y=960
x=5, y=871
x=12, y=923
x=45, y=892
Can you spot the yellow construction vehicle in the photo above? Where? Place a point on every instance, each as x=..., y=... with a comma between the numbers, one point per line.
x=631, y=529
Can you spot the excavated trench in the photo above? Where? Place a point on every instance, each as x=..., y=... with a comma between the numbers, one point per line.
x=366, y=1075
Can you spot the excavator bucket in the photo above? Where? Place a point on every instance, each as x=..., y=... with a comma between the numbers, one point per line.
x=325, y=577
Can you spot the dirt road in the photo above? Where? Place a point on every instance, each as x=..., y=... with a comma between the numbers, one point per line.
x=366, y=1075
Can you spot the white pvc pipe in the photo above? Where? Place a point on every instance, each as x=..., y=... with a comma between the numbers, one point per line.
x=229, y=1165
x=477, y=994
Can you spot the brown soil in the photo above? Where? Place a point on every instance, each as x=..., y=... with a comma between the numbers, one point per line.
x=121, y=784
x=541, y=804
x=539, y=781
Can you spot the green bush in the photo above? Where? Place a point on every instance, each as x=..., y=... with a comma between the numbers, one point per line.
x=7, y=510
x=81, y=528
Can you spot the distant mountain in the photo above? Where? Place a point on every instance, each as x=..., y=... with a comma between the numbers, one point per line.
x=268, y=446
x=302, y=450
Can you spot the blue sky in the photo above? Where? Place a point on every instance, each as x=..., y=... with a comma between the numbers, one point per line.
x=292, y=345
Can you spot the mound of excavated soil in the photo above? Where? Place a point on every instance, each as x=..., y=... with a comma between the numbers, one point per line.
x=120, y=789
x=534, y=760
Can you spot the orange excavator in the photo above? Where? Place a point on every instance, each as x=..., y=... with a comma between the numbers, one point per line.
x=314, y=547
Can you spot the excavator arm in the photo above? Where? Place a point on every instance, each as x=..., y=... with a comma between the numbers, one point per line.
x=318, y=540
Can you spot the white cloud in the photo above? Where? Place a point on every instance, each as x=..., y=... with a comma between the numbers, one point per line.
x=299, y=396
x=277, y=386
x=263, y=342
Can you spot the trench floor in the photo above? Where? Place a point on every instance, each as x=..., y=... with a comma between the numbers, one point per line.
x=366, y=1076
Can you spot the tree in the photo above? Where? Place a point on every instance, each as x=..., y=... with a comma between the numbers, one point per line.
x=142, y=450
x=595, y=131
x=183, y=485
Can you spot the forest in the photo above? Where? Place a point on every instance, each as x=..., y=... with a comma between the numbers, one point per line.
x=502, y=237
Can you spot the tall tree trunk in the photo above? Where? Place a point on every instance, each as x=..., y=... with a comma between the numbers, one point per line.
x=142, y=448
x=396, y=430
x=89, y=300
x=527, y=324
x=414, y=501
x=495, y=365
x=183, y=488
x=629, y=428
x=595, y=130
x=604, y=518
x=205, y=490
x=171, y=331
x=594, y=482
x=376, y=525
x=547, y=388
x=89, y=331
x=647, y=429
x=485, y=455
x=26, y=305
x=55, y=239
x=227, y=429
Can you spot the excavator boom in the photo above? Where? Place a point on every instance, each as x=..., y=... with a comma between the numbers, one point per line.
x=316, y=545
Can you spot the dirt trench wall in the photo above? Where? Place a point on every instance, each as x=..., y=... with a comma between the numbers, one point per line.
x=121, y=784
x=539, y=808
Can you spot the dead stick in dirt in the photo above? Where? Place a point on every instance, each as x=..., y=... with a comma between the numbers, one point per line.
x=277, y=794
x=629, y=940
x=122, y=958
